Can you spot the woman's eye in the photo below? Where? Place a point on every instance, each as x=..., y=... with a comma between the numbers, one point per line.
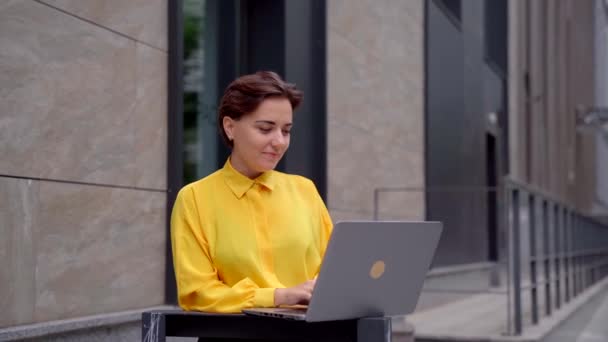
x=265, y=129
x=286, y=132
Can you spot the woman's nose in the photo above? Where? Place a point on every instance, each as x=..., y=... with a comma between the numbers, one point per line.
x=279, y=139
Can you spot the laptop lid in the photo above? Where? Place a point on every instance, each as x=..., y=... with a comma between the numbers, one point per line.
x=373, y=268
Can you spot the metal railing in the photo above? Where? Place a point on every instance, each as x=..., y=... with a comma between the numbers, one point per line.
x=549, y=252
x=551, y=249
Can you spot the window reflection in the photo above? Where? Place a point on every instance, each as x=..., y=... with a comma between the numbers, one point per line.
x=199, y=89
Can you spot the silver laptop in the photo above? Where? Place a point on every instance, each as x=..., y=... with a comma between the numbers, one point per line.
x=371, y=268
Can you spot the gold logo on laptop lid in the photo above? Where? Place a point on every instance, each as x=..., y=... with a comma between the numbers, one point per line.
x=377, y=269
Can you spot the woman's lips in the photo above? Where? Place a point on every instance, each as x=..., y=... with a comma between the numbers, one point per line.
x=271, y=154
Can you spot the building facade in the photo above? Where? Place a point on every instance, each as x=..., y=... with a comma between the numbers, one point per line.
x=83, y=166
x=552, y=73
x=601, y=100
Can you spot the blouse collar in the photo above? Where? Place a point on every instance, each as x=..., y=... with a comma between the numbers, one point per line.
x=240, y=184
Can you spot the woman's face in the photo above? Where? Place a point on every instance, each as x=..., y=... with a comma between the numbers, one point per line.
x=260, y=138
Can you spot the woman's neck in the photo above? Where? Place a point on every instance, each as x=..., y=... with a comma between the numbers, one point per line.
x=242, y=168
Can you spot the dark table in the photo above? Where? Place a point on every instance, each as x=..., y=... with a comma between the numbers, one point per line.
x=156, y=325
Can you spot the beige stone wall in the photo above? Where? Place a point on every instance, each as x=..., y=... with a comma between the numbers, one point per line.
x=375, y=107
x=83, y=95
x=555, y=48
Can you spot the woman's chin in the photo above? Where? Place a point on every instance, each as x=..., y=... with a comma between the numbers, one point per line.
x=267, y=166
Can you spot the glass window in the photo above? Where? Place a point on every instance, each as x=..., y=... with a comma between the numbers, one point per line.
x=200, y=93
x=452, y=8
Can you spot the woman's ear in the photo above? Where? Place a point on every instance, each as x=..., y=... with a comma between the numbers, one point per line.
x=228, y=124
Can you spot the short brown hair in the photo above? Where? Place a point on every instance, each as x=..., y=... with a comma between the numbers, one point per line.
x=245, y=94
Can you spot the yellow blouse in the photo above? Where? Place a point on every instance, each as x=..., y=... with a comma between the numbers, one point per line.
x=235, y=239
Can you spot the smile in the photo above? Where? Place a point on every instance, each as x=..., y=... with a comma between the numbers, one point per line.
x=271, y=154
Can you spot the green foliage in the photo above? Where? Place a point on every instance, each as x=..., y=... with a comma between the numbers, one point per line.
x=192, y=32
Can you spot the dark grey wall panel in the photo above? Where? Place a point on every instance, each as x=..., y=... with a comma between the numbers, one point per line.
x=495, y=23
x=305, y=56
x=263, y=29
x=456, y=133
x=175, y=133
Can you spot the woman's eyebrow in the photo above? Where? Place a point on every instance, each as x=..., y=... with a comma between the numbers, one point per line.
x=269, y=122
x=266, y=122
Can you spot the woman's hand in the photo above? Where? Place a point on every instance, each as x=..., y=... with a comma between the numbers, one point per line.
x=299, y=294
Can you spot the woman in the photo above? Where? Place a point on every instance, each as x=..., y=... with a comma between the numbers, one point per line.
x=246, y=235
